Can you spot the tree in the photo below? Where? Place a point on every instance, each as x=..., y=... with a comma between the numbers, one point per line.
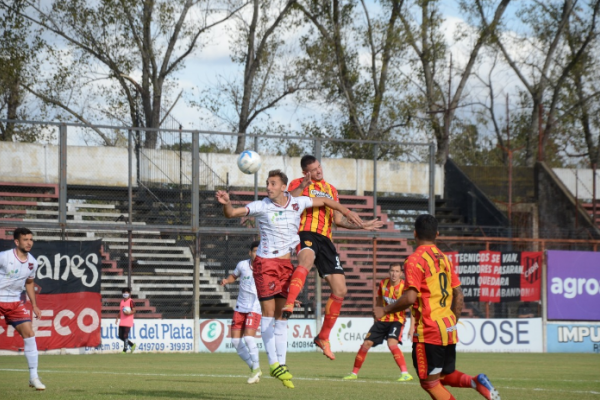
x=117, y=39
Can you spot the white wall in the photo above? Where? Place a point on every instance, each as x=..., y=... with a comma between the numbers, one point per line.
x=582, y=184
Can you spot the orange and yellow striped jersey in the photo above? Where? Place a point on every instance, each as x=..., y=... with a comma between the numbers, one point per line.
x=316, y=219
x=430, y=272
x=389, y=293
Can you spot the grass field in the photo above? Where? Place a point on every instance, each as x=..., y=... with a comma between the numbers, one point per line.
x=223, y=376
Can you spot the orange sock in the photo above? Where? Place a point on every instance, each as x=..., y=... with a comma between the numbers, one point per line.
x=360, y=359
x=399, y=357
x=297, y=283
x=458, y=379
x=436, y=391
x=332, y=312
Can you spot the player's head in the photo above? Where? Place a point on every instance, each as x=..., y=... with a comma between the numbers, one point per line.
x=23, y=239
x=396, y=273
x=126, y=292
x=310, y=164
x=276, y=183
x=426, y=228
x=253, y=249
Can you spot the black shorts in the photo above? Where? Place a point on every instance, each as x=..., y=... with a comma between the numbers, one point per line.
x=431, y=359
x=381, y=331
x=327, y=260
x=124, y=332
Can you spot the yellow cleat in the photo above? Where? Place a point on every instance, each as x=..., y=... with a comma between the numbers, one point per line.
x=405, y=377
x=288, y=384
x=280, y=372
x=350, y=377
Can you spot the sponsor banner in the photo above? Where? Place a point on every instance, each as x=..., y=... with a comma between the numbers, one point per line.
x=573, y=338
x=573, y=285
x=68, y=320
x=149, y=335
x=349, y=333
x=495, y=276
x=500, y=335
x=215, y=336
x=67, y=285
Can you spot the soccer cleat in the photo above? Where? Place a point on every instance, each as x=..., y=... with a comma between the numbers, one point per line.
x=485, y=387
x=255, y=375
x=133, y=346
x=287, y=310
x=280, y=372
x=288, y=384
x=37, y=384
x=405, y=377
x=325, y=346
x=350, y=377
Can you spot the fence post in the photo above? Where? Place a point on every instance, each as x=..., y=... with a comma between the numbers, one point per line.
x=197, y=294
x=256, y=173
x=431, y=207
x=318, y=292
x=62, y=179
x=195, y=225
x=130, y=206
x=375, y=154
x=318, y=149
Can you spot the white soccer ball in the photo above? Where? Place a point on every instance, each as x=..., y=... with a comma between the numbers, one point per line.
x=126, y=309
x=249, y=162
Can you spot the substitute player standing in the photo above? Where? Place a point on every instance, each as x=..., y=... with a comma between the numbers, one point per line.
x=246, y=316
x=125, y=319
x=389, y=327
x=278, y=218
x=17, y=269
x=317, y=248
x=433, y=290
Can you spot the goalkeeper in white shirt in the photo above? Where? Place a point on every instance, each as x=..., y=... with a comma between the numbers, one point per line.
x=247, y=314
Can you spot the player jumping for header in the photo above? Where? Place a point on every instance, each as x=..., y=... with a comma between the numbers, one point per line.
x=389, y=327
x=278, y=218
x=246, y=316
x=317, y=248
x=433, y=290
x=17, y=269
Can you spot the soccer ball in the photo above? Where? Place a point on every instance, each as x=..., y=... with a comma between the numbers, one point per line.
x=126, y=309
x=249, y=162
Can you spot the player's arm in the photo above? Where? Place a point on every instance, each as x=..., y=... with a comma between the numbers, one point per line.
x=407, y=299
x=342, y=222
x=230, y=279
x=351, y=216
x=458, y=302
x=30, y=289
x=296, y=192
x=228, y=210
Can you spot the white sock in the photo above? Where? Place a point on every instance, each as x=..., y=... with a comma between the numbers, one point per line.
x=253, y=350
x=31, y=354
x=242, y=351
x=281, y=336
x=267, y=332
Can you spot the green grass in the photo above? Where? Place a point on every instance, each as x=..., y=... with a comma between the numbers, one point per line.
x=223, y=376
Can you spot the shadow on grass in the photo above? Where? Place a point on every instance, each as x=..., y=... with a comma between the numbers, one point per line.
x=171, y=394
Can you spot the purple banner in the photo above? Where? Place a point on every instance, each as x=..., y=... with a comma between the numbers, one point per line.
x=573, y=285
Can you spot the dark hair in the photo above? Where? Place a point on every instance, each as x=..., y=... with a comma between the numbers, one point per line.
x=426, y=227
x=254, y=244
x=21, y=232
x=280, y=174
x=127, y=289
x=396, y=264
x=307, y=160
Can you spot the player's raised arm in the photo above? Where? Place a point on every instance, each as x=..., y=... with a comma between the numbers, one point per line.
x=351, y=216
x=297, y=191
x=342, y=222
x=228, y=210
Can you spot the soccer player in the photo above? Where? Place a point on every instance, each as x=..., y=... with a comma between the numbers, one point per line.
x=246, y=316
x=433, y=290
x=389, y=327
x=317, y=248
x=125, y=320
x=278, y=218
x=17, y=269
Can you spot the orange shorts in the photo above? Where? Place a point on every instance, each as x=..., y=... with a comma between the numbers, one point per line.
x=272, y=277
x=245, y=321
x=15, y=312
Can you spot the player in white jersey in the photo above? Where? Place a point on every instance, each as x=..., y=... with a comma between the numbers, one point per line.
x=17, y=270
x=246, y=316
x=278, y=218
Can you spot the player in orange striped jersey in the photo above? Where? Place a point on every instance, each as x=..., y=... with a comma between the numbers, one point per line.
x=317, y=248
x=433, y=290
x=389, y=327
